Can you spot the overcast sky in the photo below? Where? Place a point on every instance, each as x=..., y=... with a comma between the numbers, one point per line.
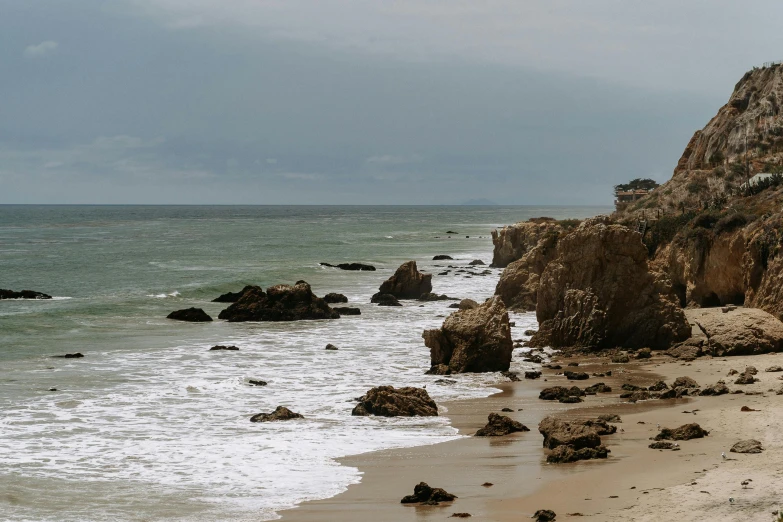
x=361, y=101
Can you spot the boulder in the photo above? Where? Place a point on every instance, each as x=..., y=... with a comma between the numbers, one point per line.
x=331, y=347
x=500, y=425
x=435, y=297
x=192, y=315
x=661, y=445
x=638, y=395
x=279, y=303
x=351, y=266
x=598, y=292
x=745, y=331
x=658, y=386
x=684, y=432
x=385, y=300
x=687, y=350
x=644, y=353
x=675, y=393
x=719, y=388
x=578, y=435
x=576, y=376
x=544, y=515
x=532, y=375
x=555, y=393
x=610, y=417
x=565, y=454
x=423, y=493
x=775, y=368
x=387, y=401
x=347, y=310
x=477, y=340
x=281, y=413
x=745, y=377
x=232, y=297
x=467, y=304
x=77, y=355
x=442, y=257
x=685, y=382
x=598, y=388
x=256, y=382
x=747, y=446
x=407, y=282
x=24, y=294
x=222, y=347
x=335, y=298
x=476, y=262
x=511, y=376
x=621, y=359
x=569, y=399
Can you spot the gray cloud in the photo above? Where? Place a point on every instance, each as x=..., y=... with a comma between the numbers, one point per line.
x=41, y=49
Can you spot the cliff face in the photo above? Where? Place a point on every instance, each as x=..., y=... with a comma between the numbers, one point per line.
x=514, y=241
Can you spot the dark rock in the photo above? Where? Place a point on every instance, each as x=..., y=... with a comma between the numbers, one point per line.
x=576, y=376
x=511, y=376
x=554, y=367
x=621, y=359
x=24, y=294
x=638, y=395
x=747, y=446
x=232, y=297
x=52, y=389
x=385, y=300
x=331, y=347
x=534, y=359
x=598, y=388
x=544, y=515
x=565, y=454
x=255, y=382
x=423, y=493
x=468, y=304
x=407, y=282
x=685, y=382
x=76, y=355
x=476, y=262
x=578, y=435
x=684, y=432
x=347, y=310
x=221, y=347
x=658, y=386
x=351, y=266
x=442, y=257
x=279, y=303
x=662, y=445
x=506, y=409
x=573, y=364
x=500, y=425
x=193, y=315
x=335, y=298
x=530, y=332
x=631, y=387
x=610, y=417
x=281, y=413
x=460, y=515
x=675, y=393
x=644, y=353
x=454, y=305
x=719, y=388
x=569, y=399
x=532, y=374
x=387, y=401
x=439, y=369
x=556, y=392
x=751, y=370
x=435, y=297
x=745, y=378
x=446, y=381
x=477, y=340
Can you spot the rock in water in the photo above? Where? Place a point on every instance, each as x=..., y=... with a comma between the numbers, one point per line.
x=221, y=347
x=407, y=282
x=387, y=401
x=684, y=432
x=281, y=413
x=351, y=266
x=441, y=257
x=500, y=425
x=330, y=346
x=476, y=262
x=193, y=315
x=335, y=298
x=231, y=297
x=477, y=340
x=77, y=355
x=747, y=446
x=385, y=300
x=467, y=304
x=24, y=294
x=347, y=310
x=599, y=292
x=423, y=493
x=279, y=303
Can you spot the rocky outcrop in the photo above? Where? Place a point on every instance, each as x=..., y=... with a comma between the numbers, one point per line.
x=747, y=446
x=351, y=266
x=743, y=331
x=719, y=388
x=407, y=282
x=423, y=493
x=477, y=340
x=279, y=303
x=442, y=257
x=576, y=440
x=192, y=315
x=684, y=432
x=387, y=401
x=281, y=413
x=333, y=297
x=221, y=347
x=347, y=310
x=514, y=241
x=558, y=393
x=599, y=293
x=518, y=284
x=499, y=425
x=232, y=297
x=24, y=294
x=384, y=300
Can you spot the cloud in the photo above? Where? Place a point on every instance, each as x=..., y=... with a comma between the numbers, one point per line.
x=41, y=49
x=390, y=159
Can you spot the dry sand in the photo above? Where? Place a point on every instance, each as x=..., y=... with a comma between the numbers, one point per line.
x=634, y=484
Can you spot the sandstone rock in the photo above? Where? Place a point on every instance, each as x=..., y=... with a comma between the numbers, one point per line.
x=477, y=340
x=407, y=282
x=745, y=378
x=532, y=375
x=222, y=347
x=347, y=310
x=232, y=297
x=468, y=304
x=746, y=331
x=565, y=454
x=351, y=266
x=688, y=349
x=775, y=368
x=658, y=386
x=751, y=370
x=719, y=388
x=513, y=242
x=557, y=392
x=518, y=284
x=621, y=359
x=24, y=294
x=544, y=515
x=193, y=315
x=684, y=432
x=747, y=446
x=385, y=300
x=598, y=292
x=423, y=493
x=279, y=303
x=441, y=257
x=387, y=401
x=335, y=298
x=578, y=435
x=500, y=425
x=598, y=388
x=644, y=353
x=685, y=382
x=576, y=376
x=281, y=413
x=663, y=445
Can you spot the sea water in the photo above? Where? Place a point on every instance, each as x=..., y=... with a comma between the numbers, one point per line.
x=150, y=424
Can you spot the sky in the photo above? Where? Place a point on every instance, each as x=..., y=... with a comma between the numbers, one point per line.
x=546, y=102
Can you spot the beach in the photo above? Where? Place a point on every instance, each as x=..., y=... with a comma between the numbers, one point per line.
x=634, y=483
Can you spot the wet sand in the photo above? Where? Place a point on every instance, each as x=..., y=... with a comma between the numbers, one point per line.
x=634, y=483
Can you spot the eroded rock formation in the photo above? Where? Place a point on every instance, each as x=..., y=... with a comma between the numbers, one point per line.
x=407, y=282
x=388, y=401
x=279, y=303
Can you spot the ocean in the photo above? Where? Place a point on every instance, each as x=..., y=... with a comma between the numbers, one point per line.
x=150, y=424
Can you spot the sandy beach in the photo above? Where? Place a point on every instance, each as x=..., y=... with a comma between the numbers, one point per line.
x=634, y=483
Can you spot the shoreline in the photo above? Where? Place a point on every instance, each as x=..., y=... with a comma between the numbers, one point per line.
x=634, y=483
